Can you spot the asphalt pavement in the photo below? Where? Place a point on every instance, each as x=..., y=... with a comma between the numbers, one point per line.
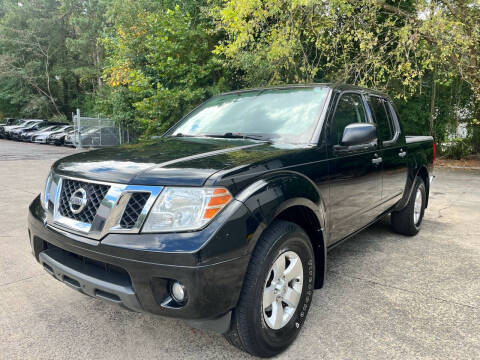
x=386, y=297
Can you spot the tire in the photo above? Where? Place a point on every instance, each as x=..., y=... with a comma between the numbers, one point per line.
x=404, y=221
x=251, y=328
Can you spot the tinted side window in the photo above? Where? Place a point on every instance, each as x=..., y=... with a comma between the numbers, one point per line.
x=382, y=117
x=393, y=116
x=350, y=110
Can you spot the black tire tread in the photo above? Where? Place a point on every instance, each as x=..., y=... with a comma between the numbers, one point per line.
x=402, y=221
x=239, y=335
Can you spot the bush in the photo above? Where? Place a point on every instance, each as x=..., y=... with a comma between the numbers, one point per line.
x=456, y=149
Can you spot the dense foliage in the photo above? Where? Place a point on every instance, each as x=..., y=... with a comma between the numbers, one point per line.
x=146, y=63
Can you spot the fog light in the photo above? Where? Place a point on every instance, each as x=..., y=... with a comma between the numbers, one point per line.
x=178, y=292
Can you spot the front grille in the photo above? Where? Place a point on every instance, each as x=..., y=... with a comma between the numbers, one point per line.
x=95, y=195
x=134, y=209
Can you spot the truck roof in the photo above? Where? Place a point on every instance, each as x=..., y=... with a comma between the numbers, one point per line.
x=334, y=86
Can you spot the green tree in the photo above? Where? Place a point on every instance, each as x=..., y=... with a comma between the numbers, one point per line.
x=31, y=55
x=50, y=60
x=160, y=62
x=420, y=52
x=87, y=20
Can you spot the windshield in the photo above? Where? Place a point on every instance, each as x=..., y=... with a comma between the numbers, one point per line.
x=30, y=125
x=290, y=114
x=45, y=127
x=22, y=123
x=57, y=127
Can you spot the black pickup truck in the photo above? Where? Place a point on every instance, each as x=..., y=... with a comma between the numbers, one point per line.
x=225, y=221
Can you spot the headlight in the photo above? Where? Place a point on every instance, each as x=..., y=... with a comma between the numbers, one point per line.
x=183, y=209
x=45, y=194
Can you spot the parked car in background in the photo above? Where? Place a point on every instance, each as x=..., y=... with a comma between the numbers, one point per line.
x=8, y=121
x=5, y=127
x=58, y=138
x=100, y=136
x=17, y=133
x=12, y=131
x=69, y=139
x=88, y=137
x=226, y=220
x=26, y=135
x=42, y=138
x=97, y=136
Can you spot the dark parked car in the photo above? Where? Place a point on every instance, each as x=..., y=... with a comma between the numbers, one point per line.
x=10, y=125
x=226, y=220
x=18, y=133
x=42, y=138
x=27, y=134
x=12, y=132
x=58, y=137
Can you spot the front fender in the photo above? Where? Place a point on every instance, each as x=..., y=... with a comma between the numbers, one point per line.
x=271, y=195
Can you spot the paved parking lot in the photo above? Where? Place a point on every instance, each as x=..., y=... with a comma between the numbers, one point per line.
x=387, y=296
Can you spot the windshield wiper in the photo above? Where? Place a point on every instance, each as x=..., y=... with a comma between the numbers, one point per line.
x=230, y=135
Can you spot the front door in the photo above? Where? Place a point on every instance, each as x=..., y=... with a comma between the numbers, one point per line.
x=355, y=172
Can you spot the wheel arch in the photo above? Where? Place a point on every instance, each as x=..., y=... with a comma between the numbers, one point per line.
x=295, y=198
x=422, y=172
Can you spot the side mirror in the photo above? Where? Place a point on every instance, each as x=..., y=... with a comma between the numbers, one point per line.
x=358, y=133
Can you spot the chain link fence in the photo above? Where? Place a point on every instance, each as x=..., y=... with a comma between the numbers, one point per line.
x=98, y=132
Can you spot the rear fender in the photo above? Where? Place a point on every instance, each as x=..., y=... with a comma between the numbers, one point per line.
x=421, y=171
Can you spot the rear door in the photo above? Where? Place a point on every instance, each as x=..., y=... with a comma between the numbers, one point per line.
x=355, y=180
x=394, y=149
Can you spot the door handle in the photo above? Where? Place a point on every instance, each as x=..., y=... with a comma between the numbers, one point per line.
x=402, y=153
x=377, y=160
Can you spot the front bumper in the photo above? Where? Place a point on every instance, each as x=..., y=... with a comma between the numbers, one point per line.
x=41, y=140
x=135, y=271
x=88, y=278
x=54, y=141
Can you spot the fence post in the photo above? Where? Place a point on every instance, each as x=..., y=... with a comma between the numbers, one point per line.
x=79, y=131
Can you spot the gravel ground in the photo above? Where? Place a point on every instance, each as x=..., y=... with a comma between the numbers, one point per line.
x=386, y=296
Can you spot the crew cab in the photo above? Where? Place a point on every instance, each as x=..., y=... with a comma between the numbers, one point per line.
x=225, y=221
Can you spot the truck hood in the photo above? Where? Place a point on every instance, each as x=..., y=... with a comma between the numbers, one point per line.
x=166, y=161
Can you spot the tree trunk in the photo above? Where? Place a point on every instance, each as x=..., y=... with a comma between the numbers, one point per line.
x=96, y=60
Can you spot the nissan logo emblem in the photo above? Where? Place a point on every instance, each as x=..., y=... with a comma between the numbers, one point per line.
x=78, y=201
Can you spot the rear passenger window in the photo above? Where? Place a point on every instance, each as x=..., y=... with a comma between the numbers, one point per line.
x=350, y=110
x=380, y=112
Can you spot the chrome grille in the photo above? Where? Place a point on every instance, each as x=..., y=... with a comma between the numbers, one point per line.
x=111, y=207
x=95, y=195
x=133, y=209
